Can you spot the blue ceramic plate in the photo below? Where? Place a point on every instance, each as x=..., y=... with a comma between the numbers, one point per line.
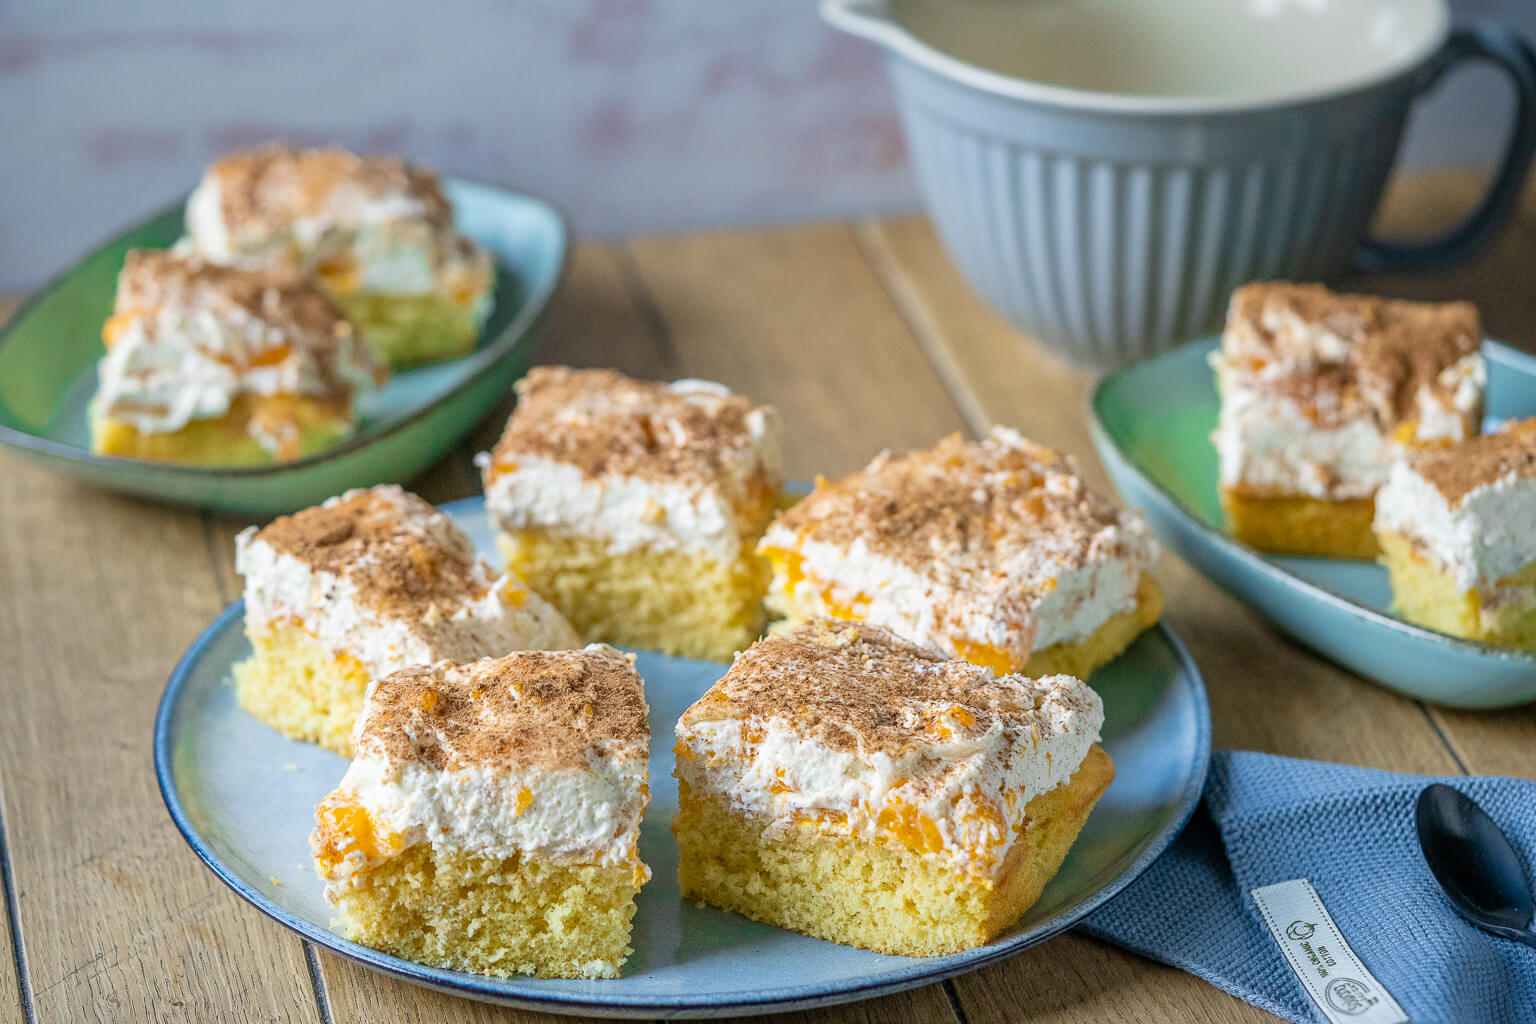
x=244, y=797
x=49, y=350
x=1151, y=425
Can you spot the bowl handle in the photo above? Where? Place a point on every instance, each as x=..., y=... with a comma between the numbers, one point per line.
x=1482, y=40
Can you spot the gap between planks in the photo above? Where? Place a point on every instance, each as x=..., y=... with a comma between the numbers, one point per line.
x=923, y=325
x=13, y=923
x=12, y=900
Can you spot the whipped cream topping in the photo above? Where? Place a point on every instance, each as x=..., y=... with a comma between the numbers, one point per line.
x=1301, y=345
x=366, y=608
x=680, y=466
x=900, y=544
x=368, y=224
x=957, y=756
x=931, y=612
x=1452, y=408
x=631, y=513
x=1471, y=508
x=187, y=338
x=539, y=753
x=587, y=815
x=1484, y=537
x=1268, y=442
x=1321, y=444
x=1319, y=391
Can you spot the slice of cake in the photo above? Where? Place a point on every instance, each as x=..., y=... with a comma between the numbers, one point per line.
x=378, y=234
x=1320, y=393
x=633, y=506
x=490, y=819
x=844, y=783
x=219, y=366
x=1457, y=527
x=995, y=552
x=368, y=583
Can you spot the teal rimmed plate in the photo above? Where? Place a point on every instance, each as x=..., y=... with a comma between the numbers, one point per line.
x=49, y=349
x=243, y=797
x=1151, y=424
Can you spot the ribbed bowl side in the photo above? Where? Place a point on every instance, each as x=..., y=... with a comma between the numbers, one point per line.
x=1109, y=260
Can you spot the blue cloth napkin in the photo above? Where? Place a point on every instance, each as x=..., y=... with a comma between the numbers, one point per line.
x=1350, y=832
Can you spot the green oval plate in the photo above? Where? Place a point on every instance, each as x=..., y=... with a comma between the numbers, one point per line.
x=49, y=350
x=1152, y=423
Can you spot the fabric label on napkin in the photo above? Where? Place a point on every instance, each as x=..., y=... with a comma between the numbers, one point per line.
x=1329, y=970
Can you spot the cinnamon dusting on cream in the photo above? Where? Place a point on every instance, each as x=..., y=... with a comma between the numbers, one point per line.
x=297, y=321
x=606, y=424
x=857, y=687
x=1457, y=470
x=400, y=552
x=1358, y=349
x=969, y=515
x=267, y=189
x=532, y=709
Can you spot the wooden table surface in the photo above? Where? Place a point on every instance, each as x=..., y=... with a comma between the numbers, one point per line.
x=865, y=338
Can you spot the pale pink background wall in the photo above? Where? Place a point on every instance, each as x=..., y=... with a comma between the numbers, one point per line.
x=633, y=115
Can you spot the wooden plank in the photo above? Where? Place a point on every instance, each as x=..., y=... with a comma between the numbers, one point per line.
x=600, y=318
x=13, y=984
x=795, y=316
x=1492, y=742
x=15, y=987
x=1073, y=979
x=360, y=996
x=914, y=1006
x=367, y=997
x=117, y=916
x=1266, y=693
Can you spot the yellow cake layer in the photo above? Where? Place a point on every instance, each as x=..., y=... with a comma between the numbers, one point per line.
x=882, y=897
x=800, y=597
x=671, y=601
x=494, y=916
x=301, y=688
x=409, y=330
x=1424, y=593
x=313, y=425
x=1081, y=658
x=1294, y=525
